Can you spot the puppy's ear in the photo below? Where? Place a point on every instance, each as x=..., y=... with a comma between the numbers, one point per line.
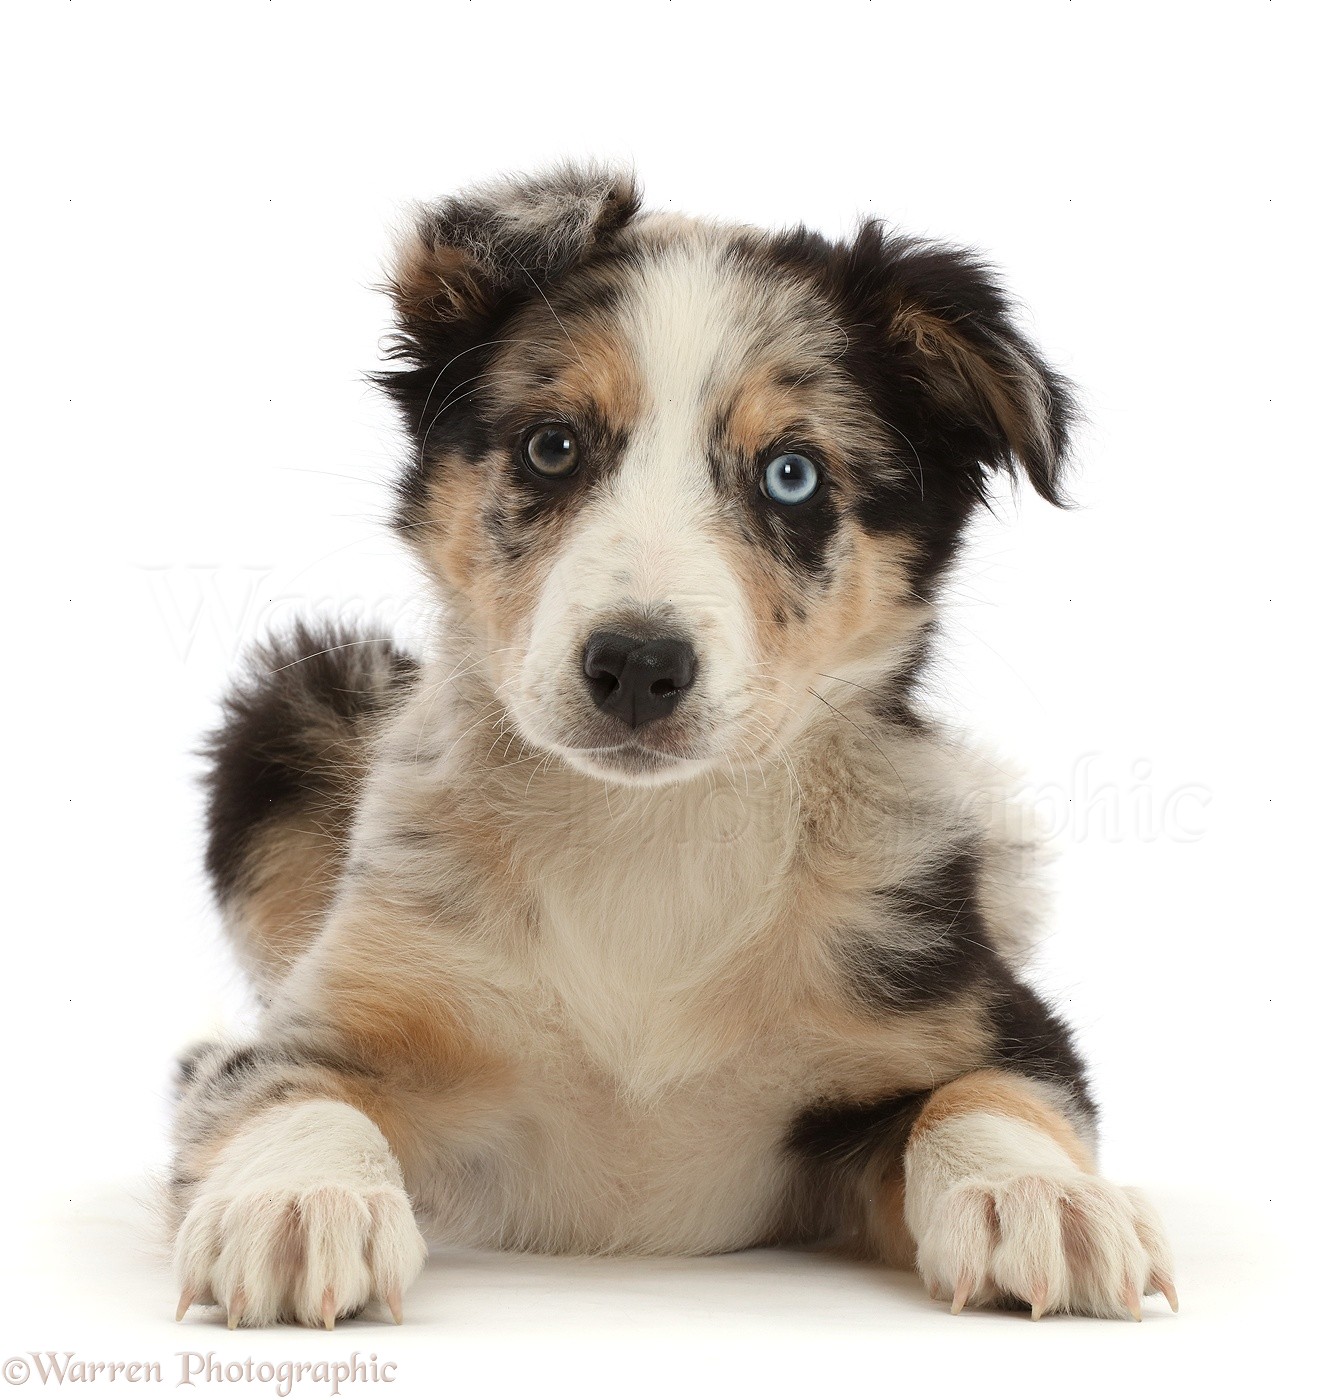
x=464, y=266
x=466, y=258
x=949, y=327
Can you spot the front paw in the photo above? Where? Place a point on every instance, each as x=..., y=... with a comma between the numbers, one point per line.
x=305, y=1219
x=1056, y=1243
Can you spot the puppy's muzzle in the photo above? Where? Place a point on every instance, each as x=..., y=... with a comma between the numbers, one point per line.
x=637, y=680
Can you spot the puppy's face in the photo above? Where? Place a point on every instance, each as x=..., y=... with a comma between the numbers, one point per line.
x=681, y=488
x=664, y=547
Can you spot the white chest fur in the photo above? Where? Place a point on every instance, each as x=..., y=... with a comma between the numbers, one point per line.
x=643, y=902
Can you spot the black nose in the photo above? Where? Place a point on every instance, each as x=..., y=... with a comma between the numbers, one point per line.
x=637, y=680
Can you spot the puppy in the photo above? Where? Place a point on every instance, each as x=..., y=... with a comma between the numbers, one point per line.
x=646, y=913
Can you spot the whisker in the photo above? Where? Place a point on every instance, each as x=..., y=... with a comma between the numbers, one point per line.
x=428, y=398
x=848, y=719
x=326, y=651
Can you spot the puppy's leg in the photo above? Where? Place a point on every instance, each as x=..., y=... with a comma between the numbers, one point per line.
x=985, y=1181
x=293, y=1154
x=1003, y=1202
x=291, y=1201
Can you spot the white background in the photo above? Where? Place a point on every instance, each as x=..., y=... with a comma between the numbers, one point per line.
x=198, y=204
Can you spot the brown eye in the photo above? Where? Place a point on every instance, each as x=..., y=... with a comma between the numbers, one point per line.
x=552, y=451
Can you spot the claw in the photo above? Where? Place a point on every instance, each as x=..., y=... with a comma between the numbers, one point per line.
x=1038, y=1301
x=235, y=1310
x=962, y=1291
x=1165, y=1286
x=1132, y=1301
x=328, y=1309
x=188, y=1297
x=393, y=1304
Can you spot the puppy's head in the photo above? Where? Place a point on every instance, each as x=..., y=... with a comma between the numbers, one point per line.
x=682, y=480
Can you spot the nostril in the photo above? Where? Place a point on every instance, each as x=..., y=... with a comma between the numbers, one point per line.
x=603, y=661
x=670, y=666
x=602, y=686
x=605, y=656
x=637, y=679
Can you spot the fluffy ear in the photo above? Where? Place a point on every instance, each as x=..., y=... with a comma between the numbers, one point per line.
x=464, y=258
x=951, y=328
x=463, y=267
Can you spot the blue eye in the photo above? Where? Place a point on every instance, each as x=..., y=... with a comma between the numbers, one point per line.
x=790, y=480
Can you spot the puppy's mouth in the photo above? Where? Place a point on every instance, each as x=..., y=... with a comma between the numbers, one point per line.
x=632, y=761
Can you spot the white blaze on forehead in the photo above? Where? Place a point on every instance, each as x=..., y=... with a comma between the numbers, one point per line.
x=650, y=538
x=682, y=318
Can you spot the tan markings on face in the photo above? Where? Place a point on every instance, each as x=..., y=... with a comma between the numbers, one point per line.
x=872, y=608
x=496, y=593
x=757, y=407
x=852, y=628
x=875, y=601
x=575, y=372
x=790, y=392
x=456, y=501
x=1008, y=1096
x=573, y=365
x=598, y=375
